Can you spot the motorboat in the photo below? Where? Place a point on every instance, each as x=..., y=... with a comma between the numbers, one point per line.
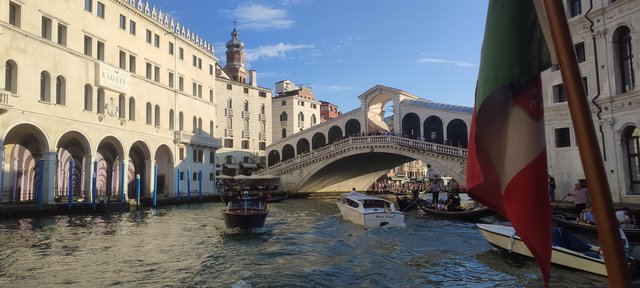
x=245, y=213
x=369, y=211
x=585, y=258
x=574, y=223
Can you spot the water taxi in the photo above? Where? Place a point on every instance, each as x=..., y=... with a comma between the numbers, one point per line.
x=369, y=211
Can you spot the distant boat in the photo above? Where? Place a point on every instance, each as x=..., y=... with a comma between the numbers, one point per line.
x=632, y=234
x=369, y=211
x=505, y=238
x=246, y=213
x=277, y=197
x=405, y=203
x=472, y=214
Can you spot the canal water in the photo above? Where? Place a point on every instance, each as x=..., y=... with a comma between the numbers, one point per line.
x=305, y=243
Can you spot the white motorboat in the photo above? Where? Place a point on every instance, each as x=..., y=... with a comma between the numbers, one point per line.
x=369, y=211
x=504, y=237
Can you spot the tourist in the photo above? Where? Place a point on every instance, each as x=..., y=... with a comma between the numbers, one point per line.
x=353, y=191
x=588, y=217
x=552, y=187
x=579, y=194
x=626, y=218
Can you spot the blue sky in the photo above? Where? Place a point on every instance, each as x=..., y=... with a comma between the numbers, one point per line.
x=341, y=48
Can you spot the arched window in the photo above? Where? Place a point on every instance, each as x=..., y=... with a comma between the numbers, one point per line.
x=283, y=117
x=122, y=106
x=199, y=126
x=284, y=133
x=157, y=116
x=313, y=119
x=211, y=128
x=171, y=120
x=263, y=127
x=88, y=97
x=148, y=114
x=100, y=104
x=246, y=106
x=229, y=103
x=246, y=124
x=262, y=109
x=11, y=77
x=632, y=140
x=132, y=109
x=195, y=125
x=624, y=60
x=181, y=121
x=45, y=86
x=61, y=90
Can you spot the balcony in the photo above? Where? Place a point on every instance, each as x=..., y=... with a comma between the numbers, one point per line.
x=246, y=114
x=301, y=124
x=246, y=134
x=228, y=112
x=283, y=123
x=262, y=117
x=228, y=132
x=263, y=136
x=4, y=99
x=189, y=138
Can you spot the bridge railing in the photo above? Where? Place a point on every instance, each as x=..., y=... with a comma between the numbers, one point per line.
x=364, y=140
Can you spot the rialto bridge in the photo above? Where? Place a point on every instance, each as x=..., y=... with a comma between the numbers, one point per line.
x=390, y=128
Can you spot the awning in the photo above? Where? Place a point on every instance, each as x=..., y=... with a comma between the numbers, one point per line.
x=231, y=166
x=249, y=165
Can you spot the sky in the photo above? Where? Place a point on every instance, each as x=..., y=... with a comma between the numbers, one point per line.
x=342, y=48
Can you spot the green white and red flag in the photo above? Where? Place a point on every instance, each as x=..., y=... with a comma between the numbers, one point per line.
x=507, y=160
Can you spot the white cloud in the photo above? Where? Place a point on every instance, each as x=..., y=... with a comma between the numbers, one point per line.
x=260, y=17
x=438, y=61
x=270, y=51
x=331, y=88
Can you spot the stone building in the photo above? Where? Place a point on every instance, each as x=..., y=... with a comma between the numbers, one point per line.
x=606, y=39
x=328, y=111
x=294, y=109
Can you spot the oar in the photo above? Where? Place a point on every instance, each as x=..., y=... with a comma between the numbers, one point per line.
x=554, y=206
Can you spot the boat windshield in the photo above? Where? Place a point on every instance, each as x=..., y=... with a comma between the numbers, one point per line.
x=245, y=203
x=375, y=204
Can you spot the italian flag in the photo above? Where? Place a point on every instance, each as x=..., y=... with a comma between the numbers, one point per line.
x=507, y=160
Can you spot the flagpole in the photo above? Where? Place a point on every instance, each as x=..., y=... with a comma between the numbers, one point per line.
x=608, y=226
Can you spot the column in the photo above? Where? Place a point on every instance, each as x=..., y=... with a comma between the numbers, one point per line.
x=148, y=177
x=87, y=173
x=2, y=172
x=48, y=192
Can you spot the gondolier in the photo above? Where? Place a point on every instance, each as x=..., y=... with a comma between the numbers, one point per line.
x=435, y=190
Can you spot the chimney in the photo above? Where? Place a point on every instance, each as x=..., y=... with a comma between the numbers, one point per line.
x=252, y=78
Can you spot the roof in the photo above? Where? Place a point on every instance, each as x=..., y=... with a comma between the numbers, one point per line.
x=437, y=106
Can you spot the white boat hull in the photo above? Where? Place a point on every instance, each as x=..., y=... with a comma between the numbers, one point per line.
x=504, y=237
x=371, y=218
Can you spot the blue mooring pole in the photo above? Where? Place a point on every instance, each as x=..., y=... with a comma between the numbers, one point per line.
x=178, y=186
x=40, y=183
x=122, y=185
x=155, y=185
x=94, y=184
x=70, y=197
x=200, y=186
x=137, y=190
x=189, y=185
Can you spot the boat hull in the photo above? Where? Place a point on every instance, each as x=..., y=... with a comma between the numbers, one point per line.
x=245, y=220
x=371, y=219
x=504, y=237
x=470, y=215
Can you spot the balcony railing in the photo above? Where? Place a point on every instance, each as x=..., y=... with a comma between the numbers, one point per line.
x=228, y=132
x=193, y=139
x=263, y=117
x=246, y=114
x=246, y=134
x=228, y=112
x=263, y=136
x=4, y=99
x=301, y=124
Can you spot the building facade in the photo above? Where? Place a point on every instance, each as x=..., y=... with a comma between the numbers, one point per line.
x=606, y=39
x=96, y=94
x=244, y=109
x=328, y=111
x=293, y=109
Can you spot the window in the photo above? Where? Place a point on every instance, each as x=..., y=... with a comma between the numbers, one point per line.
x=283, y=116
x=171, y=79
x=11, y=77
x=100, y=51
x=575, y=8
x=45, y=86
x=624, y=61
x=245, y=144
x=14, y=14
x=284, y=133
x=195, y=61
x=283, y=103
x=148, y=36
x=180, y=83
x=229, y=87
x=198, y=157
x=262, y=94
x=199, y=91
x=156, y=120
x=171, y=48
x=88, y=45
x=123, y=22
x=181, y=121
x=172, y=124
x=100, y=10
x=46, y=28
x=632, y=141
x=195, y=89
x=100, y=104
x=181, y=53
x=245, y=90
x=61, y=90
x=212, y=157
x=210, y=95
x=88, y=5
x=210, y=69
x=88, y=97
x=132, y=109
x=156, y=74
x=149, y=71
x=123, y=60
x=563, y=139
x=579, y=52
x=558, y=94
x=156, y=40
x=62, y=34
x=181, y=158
x=585, y=85
x=121, y=106
x=132, y=27
x=228, y=143
x=148, y=114
x=132, y=64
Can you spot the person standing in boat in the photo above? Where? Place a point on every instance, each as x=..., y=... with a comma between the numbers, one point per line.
x=435, y=191
x=353, y=191
x=552, y=187
x=579, y=194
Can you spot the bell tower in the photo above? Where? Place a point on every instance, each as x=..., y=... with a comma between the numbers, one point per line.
x=235, y=57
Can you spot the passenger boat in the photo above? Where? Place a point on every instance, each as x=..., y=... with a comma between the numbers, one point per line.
x=246, y=213
x=568, y=221
x=505, y=238
x=369, y=211
x=471, y=214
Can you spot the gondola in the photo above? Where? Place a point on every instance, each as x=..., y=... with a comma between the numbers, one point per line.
x=633, y=234
x=405, y=203
x=246, y=213
x=463, y=215
x=277, y=197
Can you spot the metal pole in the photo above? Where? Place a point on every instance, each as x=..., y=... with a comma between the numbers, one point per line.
x=200, y=186
x=122, y=181
x=608, y=226
x=155, y=185
x=94, y=184
x=137, y=190
x=70, y=194
x=189, y=185
x=178, y=186
x=40, y=183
